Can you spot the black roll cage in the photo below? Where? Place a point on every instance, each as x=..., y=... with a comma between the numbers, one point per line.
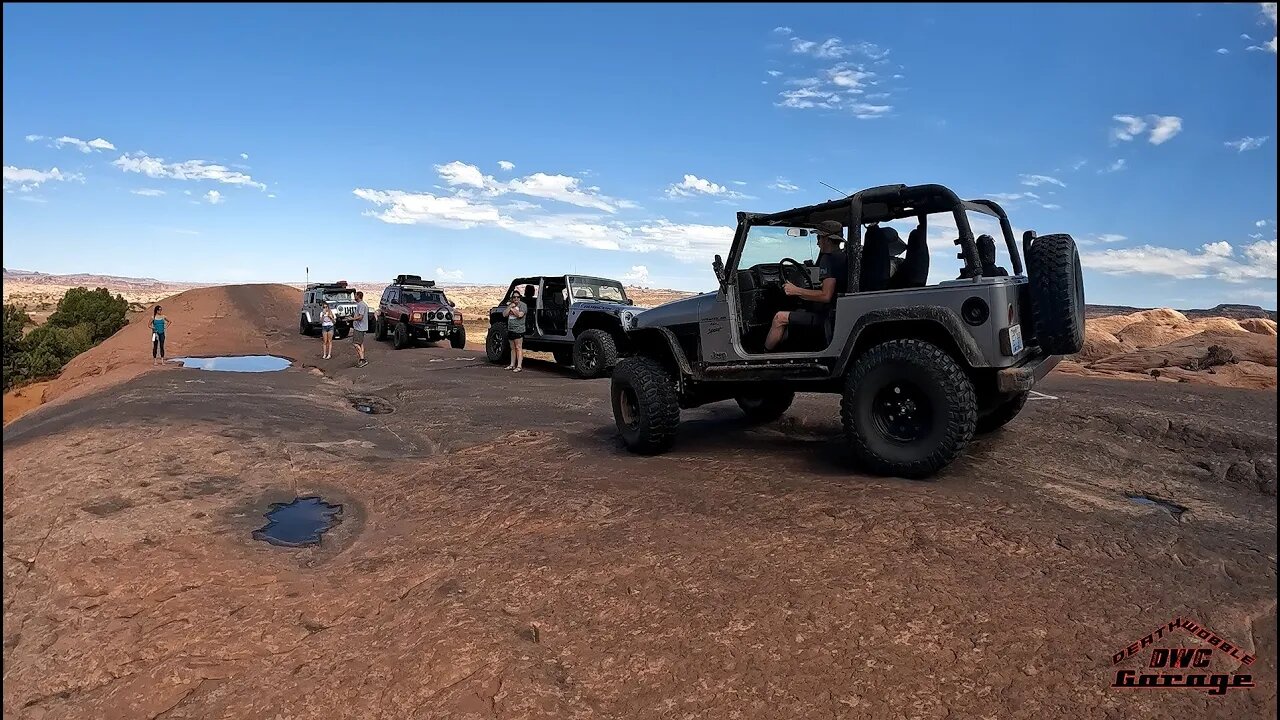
x=883, y=204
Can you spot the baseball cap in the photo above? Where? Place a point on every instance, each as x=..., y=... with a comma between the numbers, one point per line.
x=831, y=228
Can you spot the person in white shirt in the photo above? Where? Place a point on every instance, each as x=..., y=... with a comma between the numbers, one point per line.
x=360, y=326
x=327, y=321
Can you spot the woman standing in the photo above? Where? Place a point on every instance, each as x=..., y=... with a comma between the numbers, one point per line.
x=327, y=320
x=514, y=312
x=158, y=324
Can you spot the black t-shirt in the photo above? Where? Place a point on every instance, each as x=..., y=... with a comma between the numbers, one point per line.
x=834, y=265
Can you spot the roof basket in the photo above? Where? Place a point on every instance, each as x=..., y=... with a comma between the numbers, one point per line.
x=413, y=280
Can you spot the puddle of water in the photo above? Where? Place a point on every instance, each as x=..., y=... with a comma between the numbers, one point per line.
x=1170, y=507
x=236, y=363
x=298, y=523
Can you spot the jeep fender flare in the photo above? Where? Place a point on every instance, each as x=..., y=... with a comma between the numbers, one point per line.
x=307, y=314
x=597, y=320
x=662, y=344
x=942, y=318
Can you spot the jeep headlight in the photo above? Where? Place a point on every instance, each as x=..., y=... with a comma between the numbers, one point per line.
x=417, y=317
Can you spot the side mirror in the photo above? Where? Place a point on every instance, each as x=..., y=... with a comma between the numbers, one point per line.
x=798, y=232
x=452, y=305
x=717, y=266
x=630, y=301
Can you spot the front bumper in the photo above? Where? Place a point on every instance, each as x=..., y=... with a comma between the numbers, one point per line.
x=1021, y=378
x=434, y=330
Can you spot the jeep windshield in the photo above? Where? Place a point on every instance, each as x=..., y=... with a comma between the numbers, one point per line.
x=597, y=290
x=421, y=296
x=341, y=296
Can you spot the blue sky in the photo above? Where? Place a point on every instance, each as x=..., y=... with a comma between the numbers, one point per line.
x=473, y=143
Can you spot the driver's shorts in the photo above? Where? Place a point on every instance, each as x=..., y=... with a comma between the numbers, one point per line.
x=807, y=318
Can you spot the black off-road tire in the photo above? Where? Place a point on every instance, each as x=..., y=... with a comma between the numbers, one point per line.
x=380, y=329
x=401, y=338
x=765, y=406
x=496, y=348
x=645, y=406
x=595, y=352
x=303, y=327
x=997, y=416
x=563, y=356
x=906, y=368
x=1057, y=294
x=458, y=340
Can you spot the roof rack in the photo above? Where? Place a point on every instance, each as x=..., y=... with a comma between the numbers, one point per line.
x=413, y=280
x=339, y=284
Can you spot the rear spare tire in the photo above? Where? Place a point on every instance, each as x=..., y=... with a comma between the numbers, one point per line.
x=496, y=348
x=908, y=408
x=766, y=405
x=594, y=352
x=1057, y=294
x=645, y=406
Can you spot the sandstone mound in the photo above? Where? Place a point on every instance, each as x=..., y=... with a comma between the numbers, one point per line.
x=1167, y=345
x=232, y=319
x=1261, y=326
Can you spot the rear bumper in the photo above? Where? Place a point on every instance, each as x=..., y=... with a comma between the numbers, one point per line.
x=1021, y=378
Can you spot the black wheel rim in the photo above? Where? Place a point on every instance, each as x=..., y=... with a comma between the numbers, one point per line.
x=590, y=353
x=495, y=344
x=629, y=408
x=902, y=412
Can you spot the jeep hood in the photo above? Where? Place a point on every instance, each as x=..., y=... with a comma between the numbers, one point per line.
x=677, y=312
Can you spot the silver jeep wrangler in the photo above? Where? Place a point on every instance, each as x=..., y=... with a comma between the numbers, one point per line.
x=921, y=368
x=340, y=297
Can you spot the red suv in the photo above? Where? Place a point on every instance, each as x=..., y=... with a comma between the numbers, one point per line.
x=414, y=309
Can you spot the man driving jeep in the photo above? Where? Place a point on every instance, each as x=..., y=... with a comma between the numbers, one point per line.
x=833, y=274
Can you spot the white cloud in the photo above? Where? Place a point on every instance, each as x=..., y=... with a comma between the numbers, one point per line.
x=34, y=138
x=1223, y=51
x=807, y=98
x=27, y=179
x=775, y=73
x=1217, y=260
x=213, y=197
x=1247, y=143
x=186, y=170
x=270, y=195
x=1268, y=11
x=1038, y=180
x=866, y=111
x=783, y=30
x=448, y=275
x=684, y=242
x=1262, y=223
x=637, y=275
x=1111, y=238
x=1012, y=197
x=147, y=192
x=244, y=156
x=1130, y=127
x=739, y=183
x=1116, y=166
x=561, y=188
x=81, y=145
x=692, y=185
x=783, y=185
x=506, y=165
x=1050, y=206
x=1162, y=127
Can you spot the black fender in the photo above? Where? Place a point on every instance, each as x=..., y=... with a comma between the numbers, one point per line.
x=651, y=341
x=942, y=319
x=598, y=320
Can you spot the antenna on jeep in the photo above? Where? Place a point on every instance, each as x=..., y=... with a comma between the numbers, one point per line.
x=842, y=193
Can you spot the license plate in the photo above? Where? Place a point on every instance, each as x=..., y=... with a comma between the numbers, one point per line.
x=1015, y=339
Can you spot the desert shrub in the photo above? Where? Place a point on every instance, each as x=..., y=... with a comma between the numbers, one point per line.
x=96, y=308
x=83, y=319
x=15, y=319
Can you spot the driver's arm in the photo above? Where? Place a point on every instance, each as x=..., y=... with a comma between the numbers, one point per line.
x=824, y=295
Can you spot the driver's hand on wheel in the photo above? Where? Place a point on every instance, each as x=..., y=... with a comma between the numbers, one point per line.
x=790, y=289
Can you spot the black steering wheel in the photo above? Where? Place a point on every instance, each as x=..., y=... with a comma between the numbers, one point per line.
x=799, y=276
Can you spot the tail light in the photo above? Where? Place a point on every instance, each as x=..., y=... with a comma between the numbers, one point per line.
x=1010, y=313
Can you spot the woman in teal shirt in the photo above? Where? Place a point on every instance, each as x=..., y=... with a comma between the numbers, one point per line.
x=158, y=324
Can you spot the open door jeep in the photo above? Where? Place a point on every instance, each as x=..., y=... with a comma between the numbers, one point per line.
x=921, y=366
